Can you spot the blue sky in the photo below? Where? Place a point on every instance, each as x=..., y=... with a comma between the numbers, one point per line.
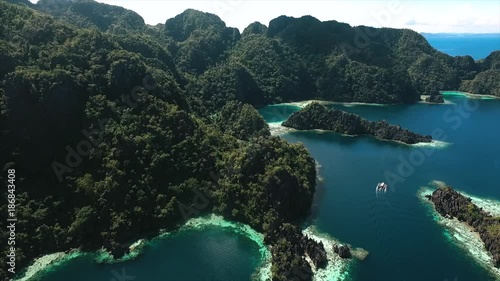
x=480, y=16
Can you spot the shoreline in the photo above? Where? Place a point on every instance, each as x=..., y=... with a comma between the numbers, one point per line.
x=52, y=261
x=489, y=205
x=468, y=95
x=460, y=233
x=304, y=103
x=433, y=144
x=338, y=269
x=45, y=263
x=277, y=129
x=423, y=97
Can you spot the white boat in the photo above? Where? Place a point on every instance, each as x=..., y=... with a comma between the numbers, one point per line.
x=381, y=186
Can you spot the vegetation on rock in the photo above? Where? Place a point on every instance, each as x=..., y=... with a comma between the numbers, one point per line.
x=316, y=116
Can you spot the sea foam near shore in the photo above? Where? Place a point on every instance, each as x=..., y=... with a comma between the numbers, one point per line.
x=433, y=144
x=51, y=261
x=47, y=262
x=337, y=269
x=277, y=129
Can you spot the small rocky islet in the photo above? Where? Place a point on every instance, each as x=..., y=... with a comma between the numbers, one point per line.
x=316, y=116
x=436, y=98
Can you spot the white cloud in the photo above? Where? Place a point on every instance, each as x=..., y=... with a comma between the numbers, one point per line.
x=457, y=17
x=480, y=16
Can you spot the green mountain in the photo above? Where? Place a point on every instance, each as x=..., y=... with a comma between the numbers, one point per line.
x=488, y=80
x=116, y=129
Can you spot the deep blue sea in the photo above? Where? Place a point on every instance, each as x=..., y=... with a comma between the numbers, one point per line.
x=477, y=46
x=397, y=228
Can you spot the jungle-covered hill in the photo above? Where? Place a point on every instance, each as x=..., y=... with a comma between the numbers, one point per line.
x=115, y=127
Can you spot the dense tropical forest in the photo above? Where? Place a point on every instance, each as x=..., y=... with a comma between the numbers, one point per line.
x=116, y=128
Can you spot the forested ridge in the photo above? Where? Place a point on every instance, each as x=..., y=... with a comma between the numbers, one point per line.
x=114, y=127
x=318, y=117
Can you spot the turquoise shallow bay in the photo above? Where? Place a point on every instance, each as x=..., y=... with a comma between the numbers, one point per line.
x=211, y=253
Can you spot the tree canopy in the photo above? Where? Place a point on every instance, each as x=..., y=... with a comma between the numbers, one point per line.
x=115, y=127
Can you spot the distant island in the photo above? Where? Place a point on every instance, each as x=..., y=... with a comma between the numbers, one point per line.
x=451, y=204
x=317, y=116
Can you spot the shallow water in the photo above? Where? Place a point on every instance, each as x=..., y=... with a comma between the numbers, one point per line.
x=205, y=249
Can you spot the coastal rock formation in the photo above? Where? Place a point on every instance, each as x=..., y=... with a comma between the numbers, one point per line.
x=289, y=248
x=118, y=250
x=438, y=98
x=343, y=250
x=450, y=203
x=315, y=251
x=317, y=116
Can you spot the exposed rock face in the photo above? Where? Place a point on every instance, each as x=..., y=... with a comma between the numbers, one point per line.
x=450, y=203
x=118, y=250
x=316, y=251
x=435, y=99
x=343, y=250
x=316, y=116
x=290, y=246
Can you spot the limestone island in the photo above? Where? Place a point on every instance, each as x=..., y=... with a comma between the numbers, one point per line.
x=316, y=116
x=451, y=204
